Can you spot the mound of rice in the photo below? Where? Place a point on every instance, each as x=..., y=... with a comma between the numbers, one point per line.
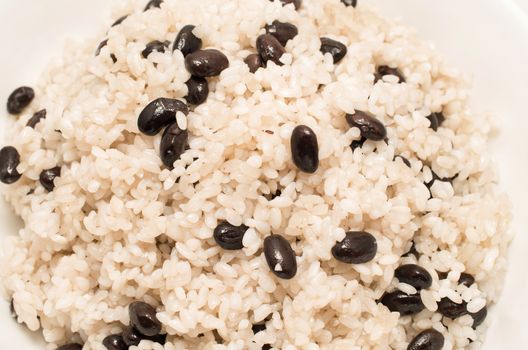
x=120, y=227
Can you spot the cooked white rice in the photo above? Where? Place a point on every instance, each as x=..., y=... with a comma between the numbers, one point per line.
x=119, y=227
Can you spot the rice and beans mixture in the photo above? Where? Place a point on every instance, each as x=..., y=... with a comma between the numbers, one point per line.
x=248, y=174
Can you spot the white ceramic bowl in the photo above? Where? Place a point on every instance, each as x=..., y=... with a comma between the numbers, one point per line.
x=486, y=38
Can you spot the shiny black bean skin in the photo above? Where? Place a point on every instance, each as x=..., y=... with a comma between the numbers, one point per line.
x=282, y=31
x=197, y=90
x=479, y=317
x=266, y=347
x=270, y=49
x=305, y=149
x=466, y=279
x=414, y=275
x=155, y=45
x=186, y=41
x=296, y=3
x=206, y=63
x=450, y=309
x=371, y=128
x=119, y=21
x=143, y=318
x=131, y=336
x=153, y=4
x=70, y=347
x=160, y=113
x=403, y=303
x=173, y=144
x=278, y=252
x=335, y=48
x=36, y=118
x=254, y=62
x=429, y=339
x=20, y=99
x=404, y=160
x=48, y=176
x=115, y=342
x=386, y=70
x=9, y=160
x=229, y=236
x=358, y=247
x=347, y=3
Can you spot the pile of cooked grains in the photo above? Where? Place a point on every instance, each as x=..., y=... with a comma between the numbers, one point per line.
x=249, y=174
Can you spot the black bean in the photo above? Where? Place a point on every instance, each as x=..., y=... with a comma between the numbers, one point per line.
x=280, y=256
x=36, y=118
x=131, y=336
x=186, y=41
x=119, y=21
x=403, y=303
x=113, y=57
x=450, y=309
x=197, y=90
x=305, y=149
x=115, y=342
x=160, y=113
x=440, y=117
x=282, y=31
x=143, y=318
x=229, y=236
x=466, y=279
x=270, y=49
x=296, y=3
x=173, y=144
x=479, y=317
x=266, y=347
x=20, y=99
x=414, y=275
x=386, y=70
x=429, y=339
x=441, y=275
x=206, y=63
x=47, y=177
x=254, y=62
x=404, y=160
x=100, y=47
x=370, y=127
x=158, y=338
x=357, y=143
x=256, y=328
x=352, y=3
x=152, y=4
x=433, y=121
x=358, y=247
x=335, y=48
x=155, y=45
x=70, y=347
x=9, y=160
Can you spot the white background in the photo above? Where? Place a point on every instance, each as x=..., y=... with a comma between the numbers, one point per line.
x=487, y=38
